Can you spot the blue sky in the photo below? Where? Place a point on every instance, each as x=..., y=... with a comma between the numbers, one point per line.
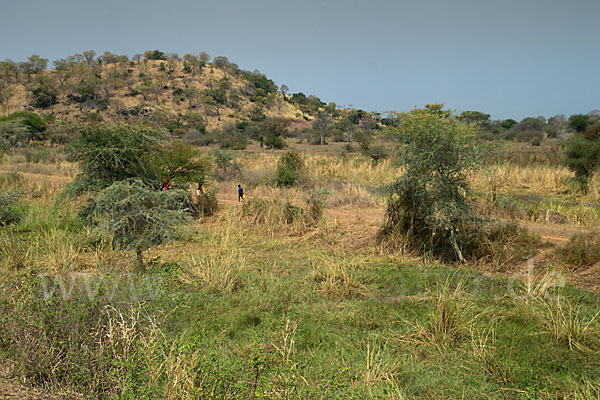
x=509, y=58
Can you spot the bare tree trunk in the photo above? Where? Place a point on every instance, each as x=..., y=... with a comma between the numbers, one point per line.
x=140, y=260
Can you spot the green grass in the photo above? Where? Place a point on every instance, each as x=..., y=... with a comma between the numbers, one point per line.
x=227, y=311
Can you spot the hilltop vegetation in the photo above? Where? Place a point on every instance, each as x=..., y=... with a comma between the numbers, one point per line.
x=162, y=88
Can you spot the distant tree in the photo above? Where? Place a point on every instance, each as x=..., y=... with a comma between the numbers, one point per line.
x=220, y=61
x=508, y=123
x=275, y=130
x=155, y=55
x=284, y=89
x=43, y=97
x=583, y=158
x=30, y=120
x=35, y=64
x=257, y=114
x=592, y=132
x=13, y=134
x=532, y=124
x=322, y=125
x=473, y=117
x=9, y=71
x=578, y=122
x=88, y=57
x=6, y=91
x=204, y=57
x=108, y=58
x=557, y=125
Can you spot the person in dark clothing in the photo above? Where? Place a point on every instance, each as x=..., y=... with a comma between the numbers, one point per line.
x=240, y=193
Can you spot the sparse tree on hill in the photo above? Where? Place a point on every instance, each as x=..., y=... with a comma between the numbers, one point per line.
x=284, y=89
x=204, y=57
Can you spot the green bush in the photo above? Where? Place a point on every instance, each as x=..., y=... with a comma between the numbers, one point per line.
x=427, y=205
x=11, y=211
x=289, y=168
x=274, y=142
x=583, y=158
x=30, y=119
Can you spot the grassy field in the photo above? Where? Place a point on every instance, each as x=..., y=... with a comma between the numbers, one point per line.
x=249, y=305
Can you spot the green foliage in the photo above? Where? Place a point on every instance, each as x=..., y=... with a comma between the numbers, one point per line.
x=154, y=55
x=109, y=153
x=11, y=211
x=31, y=120
x=13, y=134
x=508, y=123
x=289, y=167
x=579, y=122
x=261, y=84
x=43, y=97
x=427, y=204
x=275, y=130
x=180, y=163
x=137, y=217
x=21, y=127
x=583, y=158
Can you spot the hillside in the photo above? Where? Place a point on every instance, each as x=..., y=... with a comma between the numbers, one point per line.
x=159, y=88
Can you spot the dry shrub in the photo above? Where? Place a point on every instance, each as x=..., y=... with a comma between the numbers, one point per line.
x=352, y=195
x=485, y=352
x=566, y=324
x=275, y=215
x=505, y=243
x=206, y=203
x=381, y=367
x=450, y=319
x=582, y=250
x=337, y=277
x=220, y=273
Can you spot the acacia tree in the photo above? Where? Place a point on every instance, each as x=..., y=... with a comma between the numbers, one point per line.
x=136, y=217
x=109, y=153
x=181, y=163
x=427, y=205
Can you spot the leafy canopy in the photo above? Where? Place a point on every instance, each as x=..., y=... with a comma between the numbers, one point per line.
x=109, y=153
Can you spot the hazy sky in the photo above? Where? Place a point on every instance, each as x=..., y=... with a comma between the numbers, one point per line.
x=509, y=58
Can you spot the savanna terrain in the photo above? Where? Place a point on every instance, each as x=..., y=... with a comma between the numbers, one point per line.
x=129, y=269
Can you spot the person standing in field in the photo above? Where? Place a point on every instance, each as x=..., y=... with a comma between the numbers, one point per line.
x=240, y=193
